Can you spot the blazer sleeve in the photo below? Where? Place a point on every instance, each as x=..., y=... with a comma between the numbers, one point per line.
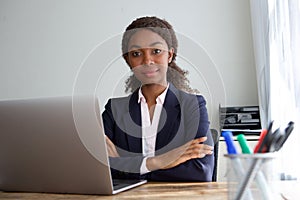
x=108, y=120
x=201, y=169
x=128, y=165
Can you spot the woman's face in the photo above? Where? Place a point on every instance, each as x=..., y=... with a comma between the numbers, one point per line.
x=148, y=56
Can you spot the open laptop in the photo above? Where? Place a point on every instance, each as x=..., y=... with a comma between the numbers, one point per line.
x=55, y=145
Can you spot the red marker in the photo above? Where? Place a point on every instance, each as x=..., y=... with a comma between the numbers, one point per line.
x=261, y=138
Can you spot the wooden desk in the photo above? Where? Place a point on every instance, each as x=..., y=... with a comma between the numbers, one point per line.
x=152, y=190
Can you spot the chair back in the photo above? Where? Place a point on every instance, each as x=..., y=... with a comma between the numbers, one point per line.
x=215, y=136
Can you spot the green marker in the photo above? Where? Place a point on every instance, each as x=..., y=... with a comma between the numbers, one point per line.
x=243, y=143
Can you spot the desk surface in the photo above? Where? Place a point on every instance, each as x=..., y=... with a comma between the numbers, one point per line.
x=152, y=190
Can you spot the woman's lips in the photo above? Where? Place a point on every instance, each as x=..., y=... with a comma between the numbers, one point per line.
x=150, y=72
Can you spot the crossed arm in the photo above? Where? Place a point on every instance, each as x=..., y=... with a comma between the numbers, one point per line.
x=171, y=164
x=190, y=150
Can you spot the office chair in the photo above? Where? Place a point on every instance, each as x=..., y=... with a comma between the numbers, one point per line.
x=215, y=136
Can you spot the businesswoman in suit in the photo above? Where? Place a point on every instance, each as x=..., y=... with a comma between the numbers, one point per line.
x=160, y=132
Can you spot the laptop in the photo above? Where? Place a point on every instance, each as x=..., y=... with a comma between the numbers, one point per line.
x=55, y=145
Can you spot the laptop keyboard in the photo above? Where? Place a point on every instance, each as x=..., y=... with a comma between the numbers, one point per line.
x=120, y=183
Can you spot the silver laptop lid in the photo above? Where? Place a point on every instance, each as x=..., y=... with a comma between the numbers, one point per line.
x=53, y=145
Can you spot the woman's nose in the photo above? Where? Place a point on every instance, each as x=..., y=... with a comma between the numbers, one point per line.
x=148, y=59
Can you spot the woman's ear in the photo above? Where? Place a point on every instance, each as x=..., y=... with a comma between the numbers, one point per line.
x=171, y=53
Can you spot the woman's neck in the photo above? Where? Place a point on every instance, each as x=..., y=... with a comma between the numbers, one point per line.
x=152, y=91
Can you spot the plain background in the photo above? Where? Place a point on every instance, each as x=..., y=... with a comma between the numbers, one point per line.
x=46, y=45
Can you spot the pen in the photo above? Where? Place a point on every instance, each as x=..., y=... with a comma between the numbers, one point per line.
x=236, y=163
x=263, y=146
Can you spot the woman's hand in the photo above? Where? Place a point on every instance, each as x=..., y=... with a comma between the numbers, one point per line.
x=188, y=151
x=111, y=148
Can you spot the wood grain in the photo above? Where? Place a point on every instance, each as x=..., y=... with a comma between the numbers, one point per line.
x=151, y=190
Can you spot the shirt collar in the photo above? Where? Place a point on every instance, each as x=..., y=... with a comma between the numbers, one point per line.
x=160, y=99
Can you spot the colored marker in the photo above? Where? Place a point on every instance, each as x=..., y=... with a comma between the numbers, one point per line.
x=243, y=143
x=231, y=149
x=260, y=178
x=236, y=162
x=260, y=140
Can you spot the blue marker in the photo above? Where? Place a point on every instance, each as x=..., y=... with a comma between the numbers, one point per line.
x=231, y=149
x=236, y=163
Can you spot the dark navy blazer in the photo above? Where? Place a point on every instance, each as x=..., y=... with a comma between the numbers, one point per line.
x=183, y=118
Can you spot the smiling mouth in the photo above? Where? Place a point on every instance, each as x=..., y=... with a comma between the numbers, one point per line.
x=150, y=73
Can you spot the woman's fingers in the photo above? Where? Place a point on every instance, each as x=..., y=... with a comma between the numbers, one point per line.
x=199, y=140
x=192, y=149
x=199, y=150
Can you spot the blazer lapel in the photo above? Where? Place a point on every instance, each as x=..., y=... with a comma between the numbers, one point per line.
x=132, y=124
x=169, y=119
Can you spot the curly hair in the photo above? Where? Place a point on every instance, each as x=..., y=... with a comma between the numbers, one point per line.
x=175, y=74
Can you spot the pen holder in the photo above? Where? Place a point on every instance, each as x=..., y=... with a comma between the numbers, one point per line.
x=252, y=176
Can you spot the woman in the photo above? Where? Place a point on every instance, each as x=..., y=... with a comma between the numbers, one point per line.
x=158, y=131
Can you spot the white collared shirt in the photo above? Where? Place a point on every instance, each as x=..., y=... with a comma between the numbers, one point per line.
x=149, y=130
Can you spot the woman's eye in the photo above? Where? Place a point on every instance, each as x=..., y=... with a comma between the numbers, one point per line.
x=135, y=53
x=156, y=51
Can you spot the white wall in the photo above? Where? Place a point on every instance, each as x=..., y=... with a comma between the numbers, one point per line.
x=44, y=43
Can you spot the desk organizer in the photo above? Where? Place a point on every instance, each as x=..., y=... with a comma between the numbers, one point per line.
x=252, y=176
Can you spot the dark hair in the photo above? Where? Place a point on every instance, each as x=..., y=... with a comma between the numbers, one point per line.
x=175, y=74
